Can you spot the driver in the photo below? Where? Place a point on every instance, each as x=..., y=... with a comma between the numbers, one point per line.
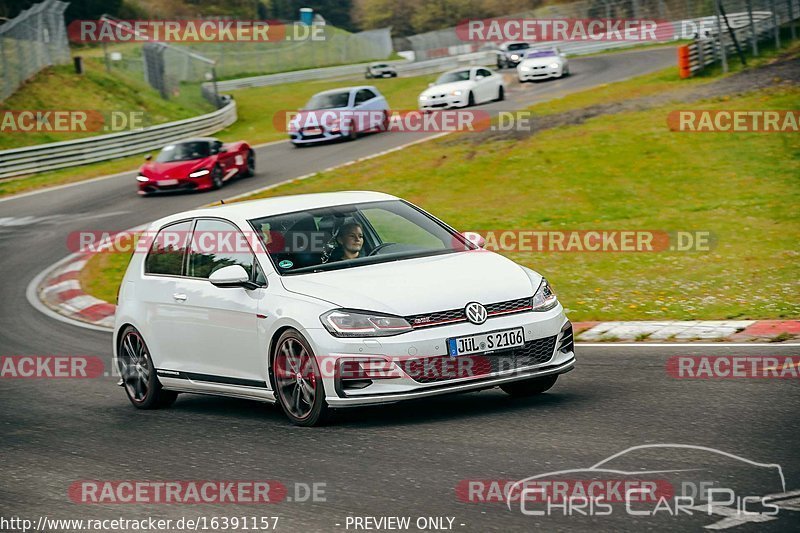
x=350, y=240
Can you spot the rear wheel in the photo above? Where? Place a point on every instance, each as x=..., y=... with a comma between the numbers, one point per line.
x=529, y=387
x=298, y=381
x=352, y=134
x=138, y=373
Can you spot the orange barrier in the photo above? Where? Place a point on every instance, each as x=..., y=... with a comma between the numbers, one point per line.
x=683, y=61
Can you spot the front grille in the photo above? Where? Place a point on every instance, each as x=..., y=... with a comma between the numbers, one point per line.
x=452, y=316
x=444, y=368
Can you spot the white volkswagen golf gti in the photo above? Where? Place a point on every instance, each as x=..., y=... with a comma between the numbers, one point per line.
x=326, y=301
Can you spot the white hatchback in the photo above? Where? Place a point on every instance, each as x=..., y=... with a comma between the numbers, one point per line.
x=327, y=301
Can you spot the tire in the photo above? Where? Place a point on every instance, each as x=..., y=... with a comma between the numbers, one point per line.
x=529, y=387
x=139, y=377
x=501, y=94
x=353, y=135
x=297, y=381
x=394, y=75
x=470, y=99
x=251, y=164
x=384, y=126
x=565, y=72
x=216, y=177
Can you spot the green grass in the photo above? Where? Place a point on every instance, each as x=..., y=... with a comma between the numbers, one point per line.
x=624, y=171
x=96, y=276
x=59, y=88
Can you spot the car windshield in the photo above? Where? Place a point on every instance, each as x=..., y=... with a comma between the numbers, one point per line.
x=517, y=46
x=380, y=65
x=184, y=151
x=328, y=100
x=349, y=236
x=540, y=53
x=450, y=77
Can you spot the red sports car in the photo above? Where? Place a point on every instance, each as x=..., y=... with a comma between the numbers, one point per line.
x=196, y=165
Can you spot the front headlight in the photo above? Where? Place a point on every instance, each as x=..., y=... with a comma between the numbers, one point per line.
x=523, y=67
x=544, y=299
x=456, y=93
x=344, y=323
x=514, y=57
x=142, y=178
x=423, y=97
x=199, y=173
x=554, y=65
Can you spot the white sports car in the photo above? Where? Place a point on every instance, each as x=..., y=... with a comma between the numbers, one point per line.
x=542, y=63
x=463, y=87
x=331, y=300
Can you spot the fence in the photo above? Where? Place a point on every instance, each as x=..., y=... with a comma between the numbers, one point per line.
x=749, y=29
x=52, y=156
x=33, y=40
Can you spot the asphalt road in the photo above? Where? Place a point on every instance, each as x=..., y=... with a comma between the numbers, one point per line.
x=405, y=459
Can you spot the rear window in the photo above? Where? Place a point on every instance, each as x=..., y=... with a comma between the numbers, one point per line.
x=166, y=254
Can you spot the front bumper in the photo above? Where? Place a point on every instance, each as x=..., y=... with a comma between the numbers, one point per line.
x=539, y=73
x=323, y=136
x=444, y=101
x=182, y=185
x=420, y=365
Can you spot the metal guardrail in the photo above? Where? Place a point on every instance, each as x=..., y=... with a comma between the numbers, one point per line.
x=53, y=156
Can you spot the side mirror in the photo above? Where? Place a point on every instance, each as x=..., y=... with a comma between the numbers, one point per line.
x=148, y=157
x=230, y=277
x=431, y=84
x=479, y=77
x=222, y=149
x=475, y=238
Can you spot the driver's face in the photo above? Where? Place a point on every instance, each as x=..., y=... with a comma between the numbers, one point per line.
x=352, y=240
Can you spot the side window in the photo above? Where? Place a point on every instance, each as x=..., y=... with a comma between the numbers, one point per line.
x=364, y=95
x=217, y=244
x=483, y=72
x=166, y=254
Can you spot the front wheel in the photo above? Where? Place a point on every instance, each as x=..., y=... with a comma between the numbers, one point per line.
x=139, y=374
x=298, y=381
x=529, y=387
x=470, y=99
x=251, y=164
x=216, y=177
x=501, y=94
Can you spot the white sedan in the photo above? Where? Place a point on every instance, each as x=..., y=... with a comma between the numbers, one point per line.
x=463, y=87
x=333, y=300
x=542, y=64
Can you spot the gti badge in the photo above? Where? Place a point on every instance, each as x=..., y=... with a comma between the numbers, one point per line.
x=476, y=313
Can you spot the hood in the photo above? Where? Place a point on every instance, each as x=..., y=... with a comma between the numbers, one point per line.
x=421, y=285
x=447, y=88
x=174, y=169
x=540, y=61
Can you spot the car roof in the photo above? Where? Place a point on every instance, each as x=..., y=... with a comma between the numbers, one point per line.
x=241, y=212
x=350, y=89
x=193, y=139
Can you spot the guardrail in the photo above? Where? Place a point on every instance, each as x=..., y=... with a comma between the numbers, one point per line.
x=53, y=156
x=706, y=50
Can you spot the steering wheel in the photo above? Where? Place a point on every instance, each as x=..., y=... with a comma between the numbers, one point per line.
x=381, y=246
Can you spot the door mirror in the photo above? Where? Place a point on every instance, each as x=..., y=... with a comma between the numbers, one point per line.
x=230, y=277
x=148, y=157
x=475, y=238
x=431, y=84
x=479, y=77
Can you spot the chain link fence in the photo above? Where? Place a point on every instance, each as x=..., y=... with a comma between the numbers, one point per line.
x=33, y=40
x=446, y=42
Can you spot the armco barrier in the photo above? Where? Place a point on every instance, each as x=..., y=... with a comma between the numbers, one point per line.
x=53, y=156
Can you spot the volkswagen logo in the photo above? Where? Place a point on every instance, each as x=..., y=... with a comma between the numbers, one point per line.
x=476, y=313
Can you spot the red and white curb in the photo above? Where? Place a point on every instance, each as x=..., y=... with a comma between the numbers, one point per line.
x=58, y=290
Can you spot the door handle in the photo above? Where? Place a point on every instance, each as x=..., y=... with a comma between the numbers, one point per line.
x=179, y=297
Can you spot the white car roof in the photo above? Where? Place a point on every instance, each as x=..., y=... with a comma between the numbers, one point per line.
x=348, y=89
x=241, y=212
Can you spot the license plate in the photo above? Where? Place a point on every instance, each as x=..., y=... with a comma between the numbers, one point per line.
x=496, y=340
x=312, y=131
x=168, y=182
